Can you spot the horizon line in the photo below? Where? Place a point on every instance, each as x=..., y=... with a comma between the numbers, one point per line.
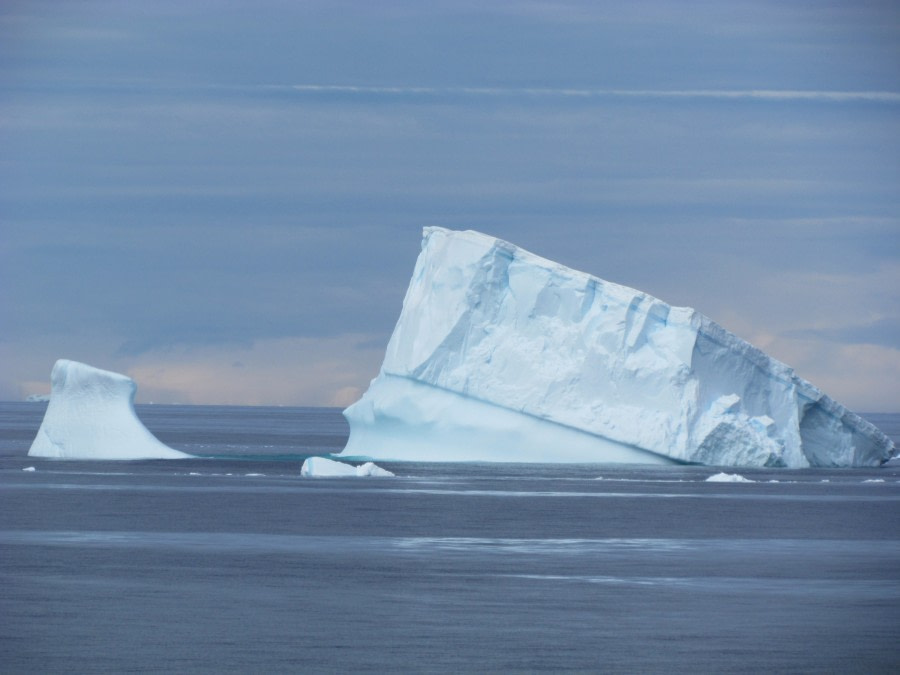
x=574, y=92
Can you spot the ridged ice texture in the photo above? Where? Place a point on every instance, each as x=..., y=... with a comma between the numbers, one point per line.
x=500, y=355
x=91, y=416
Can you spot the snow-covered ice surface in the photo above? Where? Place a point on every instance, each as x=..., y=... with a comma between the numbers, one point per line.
x=500, y=355
x=322, y=467
x=91, y=416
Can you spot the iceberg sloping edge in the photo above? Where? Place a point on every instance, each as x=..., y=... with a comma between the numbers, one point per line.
x=501, y=355
x=91, y=416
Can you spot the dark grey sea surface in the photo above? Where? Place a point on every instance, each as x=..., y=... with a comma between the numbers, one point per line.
x=234, y=563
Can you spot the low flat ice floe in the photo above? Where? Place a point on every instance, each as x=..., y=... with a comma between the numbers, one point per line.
x=729, y=478
x=321, y=467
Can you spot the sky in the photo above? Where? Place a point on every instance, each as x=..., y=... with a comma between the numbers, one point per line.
x=224, y=200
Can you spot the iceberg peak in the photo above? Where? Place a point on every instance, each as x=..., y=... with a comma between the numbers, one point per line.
x=91, y=416
x=501, y=355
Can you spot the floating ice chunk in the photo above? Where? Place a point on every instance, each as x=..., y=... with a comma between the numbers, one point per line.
x=91, y=416
x=500, y=355
x=729, y=478
x=29, y=468
x=874, y=480
x=320, y=467
x=372, y=469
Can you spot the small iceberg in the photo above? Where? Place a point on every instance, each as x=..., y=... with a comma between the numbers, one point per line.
x=320, y=467
x=728, y=478
x=91, y=416
x=29, y=468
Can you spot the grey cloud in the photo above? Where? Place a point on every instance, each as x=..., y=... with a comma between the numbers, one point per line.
x=574, y=92
x=883, y=332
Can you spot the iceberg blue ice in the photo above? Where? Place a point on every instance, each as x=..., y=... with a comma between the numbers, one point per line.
x=501, y=355
x=91, y=416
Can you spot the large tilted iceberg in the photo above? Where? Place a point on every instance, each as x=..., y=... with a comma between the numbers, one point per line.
x=500, y=355
x=91, y=416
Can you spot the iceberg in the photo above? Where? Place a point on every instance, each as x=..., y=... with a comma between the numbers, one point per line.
x=91, y=416
x=501, y=355
x=321, y=467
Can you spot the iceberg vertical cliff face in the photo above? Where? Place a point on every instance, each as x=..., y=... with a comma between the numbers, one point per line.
x=502, y=355
x=91, y=416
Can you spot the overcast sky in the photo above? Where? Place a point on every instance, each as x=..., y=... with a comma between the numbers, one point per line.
x=224, y=200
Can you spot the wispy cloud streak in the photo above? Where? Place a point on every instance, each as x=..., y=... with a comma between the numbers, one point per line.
x=762, y=94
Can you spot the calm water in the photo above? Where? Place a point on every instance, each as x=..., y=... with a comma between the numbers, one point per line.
x=233, y=562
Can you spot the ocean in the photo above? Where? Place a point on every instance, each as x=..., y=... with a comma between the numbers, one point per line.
x=234, y=563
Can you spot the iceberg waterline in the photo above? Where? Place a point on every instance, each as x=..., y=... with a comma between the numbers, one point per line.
x=501, y=355
x=91, y=416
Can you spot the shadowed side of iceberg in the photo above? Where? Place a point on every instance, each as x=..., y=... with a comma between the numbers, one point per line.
x=91, y=416
x=501, y=355
x=405, y=420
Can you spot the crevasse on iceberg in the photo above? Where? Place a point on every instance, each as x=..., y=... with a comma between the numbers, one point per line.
x=500, y=355
x=91, y=416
